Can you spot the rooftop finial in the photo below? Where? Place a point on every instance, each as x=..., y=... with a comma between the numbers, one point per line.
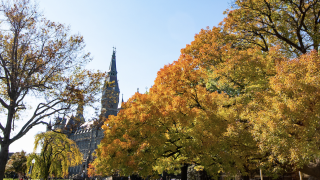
x=138, y=90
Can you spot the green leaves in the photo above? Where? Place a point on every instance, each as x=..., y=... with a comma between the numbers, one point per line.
x=58, y=153
x=17, y=163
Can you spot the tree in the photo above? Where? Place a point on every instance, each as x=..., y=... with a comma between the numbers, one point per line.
x=183, y=120
x=283, y=116
x=143, y=140
x=289, y=115
x=200, y=111
x=39, y=58
x=236, y=95
x=292, y=24
x=17, y=163
x=273, y=97
x=58, y=153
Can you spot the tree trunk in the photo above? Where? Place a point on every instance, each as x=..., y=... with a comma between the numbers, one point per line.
x=245, y=177
x=312, y=169
x=135, y=177
x=184, y=172
x=5, y=143
x=164, y=175
x=46, y=175
x=3, y=159
x=204, y=175
x=261, y=175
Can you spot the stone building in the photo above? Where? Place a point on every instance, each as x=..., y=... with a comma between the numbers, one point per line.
x=88, y=135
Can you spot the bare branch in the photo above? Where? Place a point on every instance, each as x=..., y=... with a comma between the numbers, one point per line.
x=4, y=104
x=1, y=127
x=35, y=121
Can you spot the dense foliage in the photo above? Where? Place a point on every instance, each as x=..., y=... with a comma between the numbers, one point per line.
x=57, y=154
x=242, y=96
x=17, y=163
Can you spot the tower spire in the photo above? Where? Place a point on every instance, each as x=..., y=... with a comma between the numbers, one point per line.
x=110, y=95
x=113, y=67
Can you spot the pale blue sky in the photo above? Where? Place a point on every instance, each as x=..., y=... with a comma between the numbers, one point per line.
x=148, y=34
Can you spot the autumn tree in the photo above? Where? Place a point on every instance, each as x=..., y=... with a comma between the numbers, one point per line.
x=17, y=163
x=39, y=59
x=237, y=94
x=139, y=141
x=294, y=24
x=57, y=154
x=183, y=120
x=91, y=170
x=285, y=120
x=273, y=97
x=238, y=73
x=198, y=112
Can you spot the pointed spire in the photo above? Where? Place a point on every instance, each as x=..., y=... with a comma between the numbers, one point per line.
x=111, y=94
x=113, y=67
x=121, y=103
x=122, y=99
x=112, y=73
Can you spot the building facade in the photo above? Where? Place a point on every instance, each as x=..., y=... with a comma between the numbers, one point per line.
x=88, y=135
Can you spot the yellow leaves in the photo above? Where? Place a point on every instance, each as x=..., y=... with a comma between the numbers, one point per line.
x=266, y=23
x=284, y=118
x=257, y=103
x=56, y=149
x=199, y=168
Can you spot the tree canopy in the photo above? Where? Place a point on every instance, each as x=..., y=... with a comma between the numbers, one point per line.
x=242, y=96
x=192, y=115
x=57, y=154
x=17, y=163
x=293, y=24
x=39, y=58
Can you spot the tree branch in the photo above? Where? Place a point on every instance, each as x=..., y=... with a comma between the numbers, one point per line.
x=4, y=104
x=1, y=127
x=35, y=121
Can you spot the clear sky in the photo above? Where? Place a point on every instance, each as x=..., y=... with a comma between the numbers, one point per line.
x=148, y=34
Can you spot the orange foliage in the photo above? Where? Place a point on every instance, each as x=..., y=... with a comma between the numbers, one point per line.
x=91, y=170
x=233, y=102
x=179, y=120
